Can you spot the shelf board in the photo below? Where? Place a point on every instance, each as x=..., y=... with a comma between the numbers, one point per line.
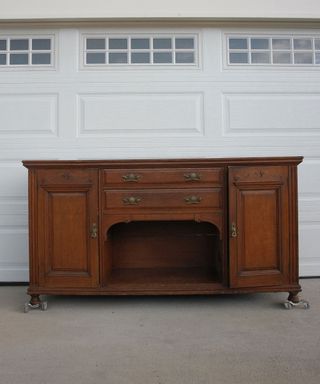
x=170, y=278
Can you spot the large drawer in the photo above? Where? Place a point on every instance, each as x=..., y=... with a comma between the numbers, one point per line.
x=188, y=177
x=163, y=199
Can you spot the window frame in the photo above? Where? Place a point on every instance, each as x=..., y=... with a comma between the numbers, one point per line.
x=143, y=35
x=30, y=51
x=249, y=35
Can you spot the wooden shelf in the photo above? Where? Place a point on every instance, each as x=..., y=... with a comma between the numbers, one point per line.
x=159, y=276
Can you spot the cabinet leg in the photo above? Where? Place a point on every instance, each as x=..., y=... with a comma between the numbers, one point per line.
x=35, y=303
x=294, y=301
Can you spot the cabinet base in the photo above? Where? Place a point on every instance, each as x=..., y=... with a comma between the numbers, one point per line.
x=213, y=288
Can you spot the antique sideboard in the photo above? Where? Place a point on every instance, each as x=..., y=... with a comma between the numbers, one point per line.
x=169, y=227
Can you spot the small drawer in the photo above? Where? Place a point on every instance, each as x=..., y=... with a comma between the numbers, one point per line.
x=189, y=177
x=163, y=199
x=66, y=176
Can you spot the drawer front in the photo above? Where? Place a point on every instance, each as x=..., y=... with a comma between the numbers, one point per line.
x=190, y=177
x=163, y=199
x=66, y=176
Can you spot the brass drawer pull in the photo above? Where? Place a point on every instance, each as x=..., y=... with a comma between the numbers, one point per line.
x=193, y=176
x=94, y=231
x=131, y=177
x=192, y=199
x=131, y=200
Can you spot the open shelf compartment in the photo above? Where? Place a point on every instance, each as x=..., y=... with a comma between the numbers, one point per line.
x=163, y=254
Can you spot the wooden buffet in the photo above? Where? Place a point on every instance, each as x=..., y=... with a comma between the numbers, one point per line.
x=169, y=227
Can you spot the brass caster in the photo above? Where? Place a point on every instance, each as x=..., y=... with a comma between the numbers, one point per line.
x=43, y=306
x=304, y=304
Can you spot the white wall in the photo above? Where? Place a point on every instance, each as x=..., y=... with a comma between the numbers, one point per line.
x=72, y=9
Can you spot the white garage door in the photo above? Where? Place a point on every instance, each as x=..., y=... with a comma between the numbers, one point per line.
x=156, y=93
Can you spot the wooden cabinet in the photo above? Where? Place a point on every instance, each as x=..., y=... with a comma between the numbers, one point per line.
x=132, y=227
x=66, y=213
x=259, y=225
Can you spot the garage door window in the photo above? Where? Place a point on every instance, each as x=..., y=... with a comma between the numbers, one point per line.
x=26, y=51
x=273, y=50
x=139, y=50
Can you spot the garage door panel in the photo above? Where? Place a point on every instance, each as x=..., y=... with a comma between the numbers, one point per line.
x=204, y=110
x=28, y=114
x=14, y=180
x=309, y=176
x=14, y=254
x=147, y=114
x=272, y=113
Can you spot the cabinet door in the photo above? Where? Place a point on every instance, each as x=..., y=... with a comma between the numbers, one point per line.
x=259, y=226
x=67, y=214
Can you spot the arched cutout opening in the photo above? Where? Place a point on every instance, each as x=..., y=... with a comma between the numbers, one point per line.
x=163, y=252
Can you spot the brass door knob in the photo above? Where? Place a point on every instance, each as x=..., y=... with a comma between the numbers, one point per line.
x=94, y=231
x=234, y=232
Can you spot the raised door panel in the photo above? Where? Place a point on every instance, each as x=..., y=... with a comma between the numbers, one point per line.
x=259, y=226
x=68, y=253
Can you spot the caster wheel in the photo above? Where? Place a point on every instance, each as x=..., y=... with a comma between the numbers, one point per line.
x=44, y=306
x=26, y=308
x=306, y=305
x=288, y=305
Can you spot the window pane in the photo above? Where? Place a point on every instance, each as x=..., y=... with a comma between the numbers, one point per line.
x=3, y=59
x=302, y=44
x=140, y=57
x=238, y=58
x=238, y=43
x=184, y=43
x=96, y=43
x=162, y=43
x=118, y=58
x=19, y=58
x=281, y=44
x=41, y=58
x=184, y=57
x=317, y=43
x=19, y=44
x=303, y=58
x=260, y=58
x=317, y=57
x=162, y=57
x=281, y=57
x=118, y=43
x=41, y=44
x=259, y=44
x=140, y=43
x=96, y=58
x=3, y=45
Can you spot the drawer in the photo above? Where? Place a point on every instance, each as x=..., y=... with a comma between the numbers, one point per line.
x=163, y=199
x=189, y=177
x=66, y=176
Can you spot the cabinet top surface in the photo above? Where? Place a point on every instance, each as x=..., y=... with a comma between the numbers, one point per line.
x=204, y=162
